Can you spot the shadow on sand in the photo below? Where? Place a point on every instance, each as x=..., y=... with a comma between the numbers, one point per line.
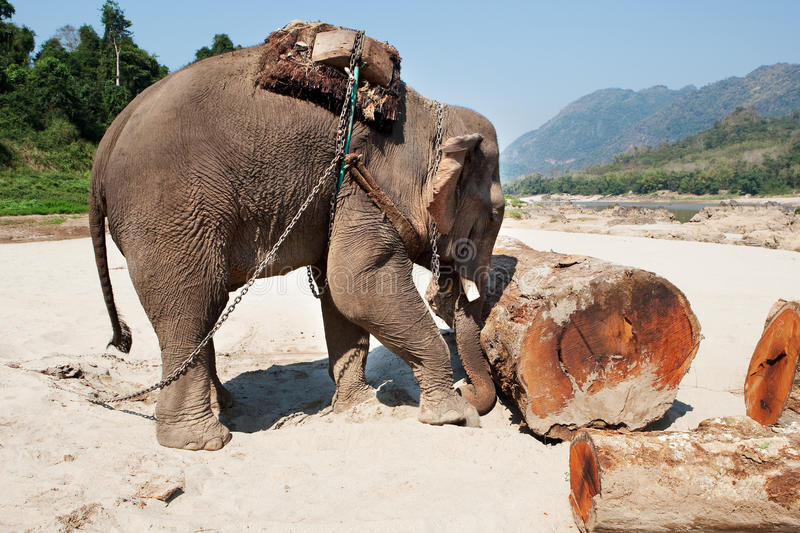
x=677, y=410
x=262, y=398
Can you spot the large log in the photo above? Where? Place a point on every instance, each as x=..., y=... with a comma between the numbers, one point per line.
x=578, y=342
x=772, y=384
x=729, y=474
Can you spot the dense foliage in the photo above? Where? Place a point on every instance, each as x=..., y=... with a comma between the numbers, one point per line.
x=220, y=44
x=71, y=84
x=56, y=104
x=743, y=154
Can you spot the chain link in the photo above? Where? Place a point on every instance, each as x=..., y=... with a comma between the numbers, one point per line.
x=341, y=139
x=435, y=168
x=337, y=160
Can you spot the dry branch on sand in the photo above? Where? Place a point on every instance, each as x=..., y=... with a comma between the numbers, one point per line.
x=578, y=342
x=729, y=474
x=772, y=385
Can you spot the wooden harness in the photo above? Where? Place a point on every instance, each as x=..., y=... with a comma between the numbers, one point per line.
x=412, y=240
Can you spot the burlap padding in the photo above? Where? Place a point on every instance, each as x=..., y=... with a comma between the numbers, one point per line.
x=286, y=68
x=408, y=234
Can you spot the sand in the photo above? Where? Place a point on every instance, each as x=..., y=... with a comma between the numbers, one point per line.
x=764, y=224
x=292, y=465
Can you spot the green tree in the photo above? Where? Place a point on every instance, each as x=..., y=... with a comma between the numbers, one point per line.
x=6, y=10
x=16, y=43
x=116, y=31
x=52, y=48
x=85, y=66
x=54, y=87
x=220, y=44
x=132, y=70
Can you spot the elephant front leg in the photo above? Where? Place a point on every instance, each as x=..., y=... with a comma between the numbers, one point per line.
x=372, y=286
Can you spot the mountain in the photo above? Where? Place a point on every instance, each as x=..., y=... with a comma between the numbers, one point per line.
x=742, y=139
x=598, y=126
x=577, y=136
x=742, y=154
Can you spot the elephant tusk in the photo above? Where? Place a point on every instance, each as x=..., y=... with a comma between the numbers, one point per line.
x=470, y=289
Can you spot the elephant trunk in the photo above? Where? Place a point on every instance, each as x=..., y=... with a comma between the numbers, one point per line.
x=466, y=323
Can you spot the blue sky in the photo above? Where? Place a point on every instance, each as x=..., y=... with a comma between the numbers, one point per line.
x=518, y=63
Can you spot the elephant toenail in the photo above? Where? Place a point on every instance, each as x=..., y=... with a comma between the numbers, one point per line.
x=214, y=444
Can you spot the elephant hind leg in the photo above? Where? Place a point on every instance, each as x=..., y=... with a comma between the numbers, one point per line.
x=348, y=347
x=221, y=398
x=183, y=304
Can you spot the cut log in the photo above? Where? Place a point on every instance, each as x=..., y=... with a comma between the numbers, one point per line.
x=335, y=47
x=772, y=384
x=578, y=342
x=729, y=474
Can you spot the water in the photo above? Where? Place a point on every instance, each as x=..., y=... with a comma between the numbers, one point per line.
x=683, y=211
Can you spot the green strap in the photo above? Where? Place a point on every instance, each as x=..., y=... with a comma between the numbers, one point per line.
x=353, y=95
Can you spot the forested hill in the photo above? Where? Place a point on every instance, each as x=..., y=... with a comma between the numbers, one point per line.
x=578, y=134
x=57, y=101
x=742, y=154
x=596, y=127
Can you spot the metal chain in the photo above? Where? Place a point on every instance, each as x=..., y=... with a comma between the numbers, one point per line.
x=338, y=158
x=341, y=131
x=435, y=168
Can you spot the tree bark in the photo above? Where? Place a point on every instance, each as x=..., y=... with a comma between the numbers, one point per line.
x=579, y=342
x=772, y=384
x=116, y=53
x=729, y=474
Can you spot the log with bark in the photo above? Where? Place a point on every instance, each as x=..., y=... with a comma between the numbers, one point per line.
x=772, y=384
x=729, y=474
x=578, y=342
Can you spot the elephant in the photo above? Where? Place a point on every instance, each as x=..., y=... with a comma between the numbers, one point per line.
x=200, y=174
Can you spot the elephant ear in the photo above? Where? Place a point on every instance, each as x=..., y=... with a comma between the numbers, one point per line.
x=442, y=206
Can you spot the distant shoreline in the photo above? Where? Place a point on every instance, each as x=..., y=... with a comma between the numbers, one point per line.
x=661, y=197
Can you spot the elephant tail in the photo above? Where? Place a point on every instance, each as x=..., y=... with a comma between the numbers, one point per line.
x=122, y=339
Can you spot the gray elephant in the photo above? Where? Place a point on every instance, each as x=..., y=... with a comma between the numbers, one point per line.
x=201, y=173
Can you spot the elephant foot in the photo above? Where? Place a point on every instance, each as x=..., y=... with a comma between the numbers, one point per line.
x=221, y=398
x=346, y=399
x=200, y=434
x=447, y=409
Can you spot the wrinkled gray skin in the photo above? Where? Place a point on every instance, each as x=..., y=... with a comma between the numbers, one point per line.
x=199, y=176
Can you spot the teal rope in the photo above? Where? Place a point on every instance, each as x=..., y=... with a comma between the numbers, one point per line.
x=353, y=95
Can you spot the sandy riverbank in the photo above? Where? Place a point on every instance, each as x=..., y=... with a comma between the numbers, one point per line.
x=765, y=224
x=664, y=196
x=292, y=465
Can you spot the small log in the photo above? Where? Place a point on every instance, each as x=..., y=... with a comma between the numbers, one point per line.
x=578, y=342
x=772, y=384
x=335, y=47
x=729, y=474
